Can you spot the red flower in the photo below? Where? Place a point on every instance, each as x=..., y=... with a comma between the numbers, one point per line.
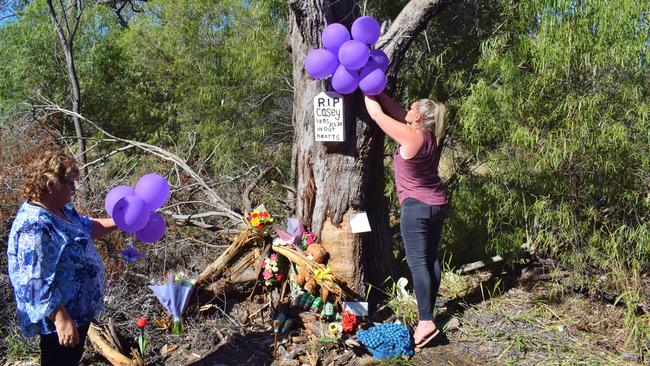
x=260, y=227
x=278, y=276
x=349, y=322
x=141, y=322
x=264, y=214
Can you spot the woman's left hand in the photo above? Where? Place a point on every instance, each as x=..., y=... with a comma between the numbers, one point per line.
x=373, y=106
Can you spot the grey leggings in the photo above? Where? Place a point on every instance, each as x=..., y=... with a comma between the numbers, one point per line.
x=421, y=226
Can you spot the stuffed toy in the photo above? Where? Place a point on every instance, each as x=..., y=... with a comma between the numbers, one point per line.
x=317, y=253
x=304, y=278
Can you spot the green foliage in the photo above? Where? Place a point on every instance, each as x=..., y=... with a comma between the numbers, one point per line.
x=560, y=115
x=402, y=305
x=214, y=69
x=638, y=327
x=28, y=62
x=15, y=346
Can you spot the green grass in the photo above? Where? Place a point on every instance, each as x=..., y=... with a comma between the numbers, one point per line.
x=404, y=308
x=15, y=345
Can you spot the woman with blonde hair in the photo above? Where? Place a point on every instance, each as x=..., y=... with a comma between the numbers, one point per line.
x=420, y=132
x=55, y=270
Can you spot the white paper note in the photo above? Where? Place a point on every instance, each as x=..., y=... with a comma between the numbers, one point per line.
x=356, y=308
x=359, y=222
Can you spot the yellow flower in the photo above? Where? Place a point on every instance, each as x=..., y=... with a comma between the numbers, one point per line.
x=323, y=274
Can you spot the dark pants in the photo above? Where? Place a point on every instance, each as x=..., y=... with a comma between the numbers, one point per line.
x=54, y=354
x=421, y=226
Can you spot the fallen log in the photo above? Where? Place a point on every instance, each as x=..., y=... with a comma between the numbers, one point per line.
x=469, y=267
x=101, y=342
x=245, y=239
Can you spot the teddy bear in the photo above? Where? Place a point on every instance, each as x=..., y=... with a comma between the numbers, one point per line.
x=304, y=278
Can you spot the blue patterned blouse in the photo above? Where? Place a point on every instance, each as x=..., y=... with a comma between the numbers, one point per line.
x=53, y=261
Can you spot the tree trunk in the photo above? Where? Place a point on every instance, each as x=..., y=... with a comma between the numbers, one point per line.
x=70, y=16
x=76, y=107
x=335, y=179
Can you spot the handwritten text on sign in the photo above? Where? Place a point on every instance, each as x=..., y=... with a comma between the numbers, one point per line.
x=328, y=117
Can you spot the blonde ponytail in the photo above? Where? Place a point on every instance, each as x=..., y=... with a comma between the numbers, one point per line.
x=434, y=116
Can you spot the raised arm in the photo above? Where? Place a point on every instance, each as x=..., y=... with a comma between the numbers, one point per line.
x=410, y=139
x=392, y=108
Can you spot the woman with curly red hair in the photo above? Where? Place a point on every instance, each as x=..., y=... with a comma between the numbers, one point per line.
x=55, y=270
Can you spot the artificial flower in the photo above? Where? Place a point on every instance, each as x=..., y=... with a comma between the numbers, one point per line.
x=323, y=274
x=142, y=322
x=267, y=274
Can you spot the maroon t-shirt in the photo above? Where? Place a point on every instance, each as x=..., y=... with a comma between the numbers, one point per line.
x=418, y=177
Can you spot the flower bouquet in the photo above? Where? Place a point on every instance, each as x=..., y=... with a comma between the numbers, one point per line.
x=295, y=235
x=260, y=220
x=173, y=292
x=274, y=269
x=308, y=238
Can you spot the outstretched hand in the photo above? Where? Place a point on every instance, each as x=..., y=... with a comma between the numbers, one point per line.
x=373, y=106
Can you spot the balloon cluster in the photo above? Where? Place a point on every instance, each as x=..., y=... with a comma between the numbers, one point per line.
x=349, y=61
x=132, y=209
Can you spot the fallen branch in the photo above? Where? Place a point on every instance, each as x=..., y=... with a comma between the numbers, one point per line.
x=191, y=220
x=105, y=157
x=469, y=267
x=245, y=239
x=159, y=152
x=100, y=341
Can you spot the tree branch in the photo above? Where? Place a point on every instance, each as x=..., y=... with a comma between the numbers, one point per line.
x=56, y=22
x=413, y=18
x=246, y=195
x=163, y=154
x=105, y=157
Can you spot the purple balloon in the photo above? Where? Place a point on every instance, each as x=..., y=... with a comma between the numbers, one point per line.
x=366, y=29
x=334, y=35
x=153, y=189
x=153, y=231
x=380, y=58
x=131, y=214
x=373, y=82
x=370, y=67
x=353, y=54
x=115, y=195
x=345, y=81
x=320, y=63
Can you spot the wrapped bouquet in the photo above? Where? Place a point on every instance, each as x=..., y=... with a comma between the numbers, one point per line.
x=260, y=219
x=275, y=268
x=173, y=292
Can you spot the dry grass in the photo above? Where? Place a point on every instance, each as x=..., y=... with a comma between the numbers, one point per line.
x=520, y=328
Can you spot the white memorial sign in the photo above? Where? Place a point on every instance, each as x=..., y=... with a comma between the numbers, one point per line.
x=328, y=117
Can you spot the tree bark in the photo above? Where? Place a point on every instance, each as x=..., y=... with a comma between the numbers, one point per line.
x=335, y=179
x=66, y=23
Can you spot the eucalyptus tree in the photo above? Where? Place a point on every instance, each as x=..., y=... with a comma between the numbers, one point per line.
x=336, y=179
x=66, y=17
x=558, y=115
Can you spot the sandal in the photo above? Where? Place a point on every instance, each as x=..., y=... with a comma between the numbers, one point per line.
x=427, y=339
